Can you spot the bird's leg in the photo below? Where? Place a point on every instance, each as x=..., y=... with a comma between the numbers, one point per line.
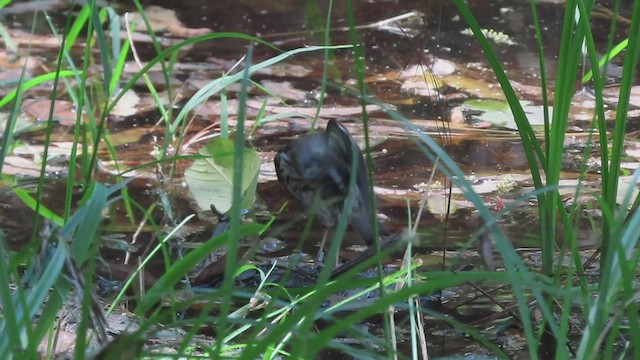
x=320, y=255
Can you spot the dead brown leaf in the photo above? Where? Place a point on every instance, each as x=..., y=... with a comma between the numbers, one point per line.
x=310, y=112
x=178, y=30
x=63, y=111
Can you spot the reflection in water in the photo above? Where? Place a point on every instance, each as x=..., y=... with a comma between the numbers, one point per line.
x=485, y=155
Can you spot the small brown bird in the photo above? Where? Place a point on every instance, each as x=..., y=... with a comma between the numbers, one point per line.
x=317, y=169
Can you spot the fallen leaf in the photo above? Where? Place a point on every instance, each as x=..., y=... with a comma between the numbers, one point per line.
x=63, y=111
x=284, y=90
x=333, y=112
x=477, y=87
x=126, y=106
x=210, y=179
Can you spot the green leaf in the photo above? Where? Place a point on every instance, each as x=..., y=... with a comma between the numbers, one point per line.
x=499, y=113
x=210, y=179
x=486, y=105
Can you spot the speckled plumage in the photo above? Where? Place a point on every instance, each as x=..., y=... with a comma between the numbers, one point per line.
x=316, y=169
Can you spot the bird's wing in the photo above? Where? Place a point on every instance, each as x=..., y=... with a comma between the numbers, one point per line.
x=342, y=141
x=305, y=190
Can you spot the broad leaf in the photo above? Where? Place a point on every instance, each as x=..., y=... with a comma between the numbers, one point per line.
x=210, y=179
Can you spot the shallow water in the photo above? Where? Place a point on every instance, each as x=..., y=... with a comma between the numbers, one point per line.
x=488, y=155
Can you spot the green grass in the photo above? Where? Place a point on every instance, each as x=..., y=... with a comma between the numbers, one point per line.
x=618, y=267
x=273, y=320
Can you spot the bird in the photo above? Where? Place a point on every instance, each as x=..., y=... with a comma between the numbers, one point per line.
x=317, y=168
